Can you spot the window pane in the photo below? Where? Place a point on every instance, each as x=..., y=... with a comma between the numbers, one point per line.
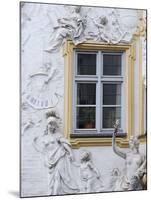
x=111, y=64
x=85, y=117
x=86, y=64
x=86, y=93
x=110, y=115
x=111, y=94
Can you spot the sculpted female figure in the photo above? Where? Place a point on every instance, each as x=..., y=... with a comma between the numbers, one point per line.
x=58, y=155
x=68, y=27
x=135, y=165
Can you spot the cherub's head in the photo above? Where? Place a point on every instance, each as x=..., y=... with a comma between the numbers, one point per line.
x=85, y=156
x=103, y=20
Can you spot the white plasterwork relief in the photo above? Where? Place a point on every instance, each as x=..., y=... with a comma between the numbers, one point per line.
x=42, y=90
x=30, y=119
x=71, y=27
x=25, y=19
x=108, y=29
x=133, y=177
x=61, y=164
x=90, y=176
x=58, y=157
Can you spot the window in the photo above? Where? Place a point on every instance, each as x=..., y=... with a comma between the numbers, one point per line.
x=98, y=89
x=97, y=85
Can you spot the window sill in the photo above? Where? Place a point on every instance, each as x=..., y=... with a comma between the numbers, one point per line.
x=78, y=140
x=79, y=133
x=96, y=135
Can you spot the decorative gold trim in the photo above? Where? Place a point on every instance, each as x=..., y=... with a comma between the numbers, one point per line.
x=137, y=39
x=87, y=142
x=141, y=92
x=130, y=51
x=143, y=139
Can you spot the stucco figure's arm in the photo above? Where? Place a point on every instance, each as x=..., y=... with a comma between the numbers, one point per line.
x=67, y=146
x=92, y=167
x=116, y=149
x=96, y=23
x=39, y=144
x=142, y=169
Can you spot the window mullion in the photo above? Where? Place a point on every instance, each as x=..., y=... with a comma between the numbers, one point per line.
x=98, y=93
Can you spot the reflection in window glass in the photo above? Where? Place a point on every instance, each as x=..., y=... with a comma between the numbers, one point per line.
x=111, y=64
x=110, y=115
x=86, y=64
x=86, y=93
x=111, y=94
x=85, y=117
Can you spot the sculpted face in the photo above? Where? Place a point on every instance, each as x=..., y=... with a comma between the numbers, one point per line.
x=85, y=156
x=52, y=126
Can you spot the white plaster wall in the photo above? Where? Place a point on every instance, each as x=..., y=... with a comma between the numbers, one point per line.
x=37, y=25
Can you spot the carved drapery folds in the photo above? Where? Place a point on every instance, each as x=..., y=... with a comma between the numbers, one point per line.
x=61, y=164
x=106, y=28
x=72, y=28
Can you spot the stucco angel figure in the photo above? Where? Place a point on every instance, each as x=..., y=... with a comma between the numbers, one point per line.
x=59, y=157
x=135, y=165
x=89, y=174
x=104, y=29
x=71, y=27
x=109, y=29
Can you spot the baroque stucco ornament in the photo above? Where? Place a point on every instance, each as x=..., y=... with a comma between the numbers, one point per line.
x=61, y=165
x=89, y=175
x=30, y=119
x=132, y=178
x=62, y=168
x=42, y=89
x=108, y=29
x=42, y=85
x=72, y=28
x=58, y=157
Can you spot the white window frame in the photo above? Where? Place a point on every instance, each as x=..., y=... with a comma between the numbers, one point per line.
x=99, y=79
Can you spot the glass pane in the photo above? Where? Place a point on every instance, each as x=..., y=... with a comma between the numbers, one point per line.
x=110, y=115
x=112, y=64
x=86, y=93
x=86, y=64
x=85, y=117
x=111, y=94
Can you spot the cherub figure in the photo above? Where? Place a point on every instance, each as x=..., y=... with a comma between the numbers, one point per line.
x=89, y=174
x=104, y=29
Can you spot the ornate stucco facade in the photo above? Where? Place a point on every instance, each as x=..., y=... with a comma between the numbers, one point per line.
x=49, y=33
